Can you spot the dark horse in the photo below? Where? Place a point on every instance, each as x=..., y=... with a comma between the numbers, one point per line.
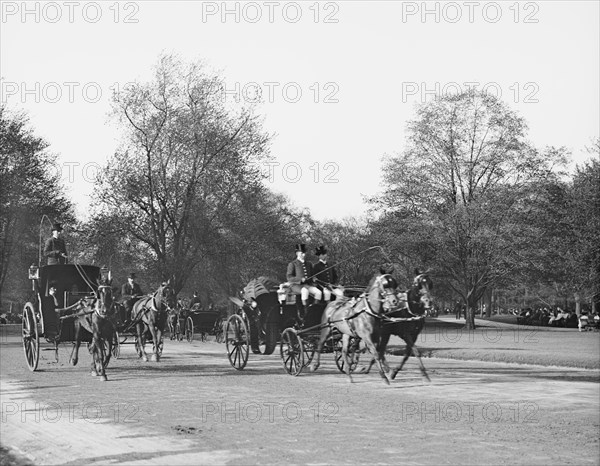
x=93, y=315
x=150, y=313
x=360, y=318
x=407, y=321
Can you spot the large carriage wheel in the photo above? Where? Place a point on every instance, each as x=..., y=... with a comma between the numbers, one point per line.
x=31, y=337
x=237, y=341
x=189, y=329
x=353, y=354
x=292, y=351
x=116, y=349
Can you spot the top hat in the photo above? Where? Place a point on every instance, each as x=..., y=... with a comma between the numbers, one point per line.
x=320, y=251
x=301, y=247
x=131, y=275
x=57, y=226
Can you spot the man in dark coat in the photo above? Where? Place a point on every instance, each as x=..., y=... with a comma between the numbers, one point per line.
x=130, y=293
x=299, y=275
x=325, y=276
x=54, y=248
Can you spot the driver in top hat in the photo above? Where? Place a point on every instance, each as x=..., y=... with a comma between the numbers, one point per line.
x=54, y=248
x=325, y=275
x=299, y=275
x=130, y=293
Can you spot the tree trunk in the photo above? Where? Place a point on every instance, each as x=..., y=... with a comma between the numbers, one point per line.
x=470, y=317
x=577, y=303
x=488, y=302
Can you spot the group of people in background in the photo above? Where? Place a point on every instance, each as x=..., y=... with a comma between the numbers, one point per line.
x=557, y=317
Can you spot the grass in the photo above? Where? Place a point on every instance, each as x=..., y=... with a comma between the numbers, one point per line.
x=500, y=339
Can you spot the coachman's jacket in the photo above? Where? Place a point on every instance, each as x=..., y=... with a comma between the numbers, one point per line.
x=297, y=270
x=127, y=291
x=53, y=248
x=324, y=277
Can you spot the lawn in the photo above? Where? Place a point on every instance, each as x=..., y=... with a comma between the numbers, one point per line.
x=499, y=339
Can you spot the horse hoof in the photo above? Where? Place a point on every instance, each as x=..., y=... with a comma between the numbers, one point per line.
x=361, y=370
x=93, y=373
x=74, y=362
x=393, y=375
x=104, y=378
x=145, y=358
x=154, y=358
x=313, y=367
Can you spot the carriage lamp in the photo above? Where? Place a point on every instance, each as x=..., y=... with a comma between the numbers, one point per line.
x=34, y=272
x=281, y=294
x=253, y=304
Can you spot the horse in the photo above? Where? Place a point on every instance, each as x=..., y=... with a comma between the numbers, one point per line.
x=407, y=322
x=172, y=321
x=150, y=313
x=360, y=319
x=94, y=316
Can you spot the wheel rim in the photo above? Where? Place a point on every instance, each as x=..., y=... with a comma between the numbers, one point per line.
x=237, y=342
x=31, y=338
x=292, y=352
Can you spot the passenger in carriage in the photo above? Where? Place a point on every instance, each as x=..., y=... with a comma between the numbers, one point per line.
x=300, y=276
x=50, y=306
x=325, y=276
x=195, y=300
x=130, y=293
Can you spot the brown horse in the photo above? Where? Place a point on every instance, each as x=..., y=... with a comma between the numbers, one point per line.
x=360, y=319
x=93, y=315
x=150, y=314
x=407, y=321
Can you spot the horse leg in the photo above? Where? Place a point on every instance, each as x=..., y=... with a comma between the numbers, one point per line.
x=152, y=328
x=140, y=341
x=373, y=350
x=314, y=365
x=407, y=352
x=417, y=355
x=76, y=345
x=345, y=342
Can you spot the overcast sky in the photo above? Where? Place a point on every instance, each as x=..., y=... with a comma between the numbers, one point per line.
x=339, y=80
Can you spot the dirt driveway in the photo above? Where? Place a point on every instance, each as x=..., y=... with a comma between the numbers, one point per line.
x=193, y=408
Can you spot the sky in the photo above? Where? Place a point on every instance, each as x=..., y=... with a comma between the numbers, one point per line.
x=339, y=80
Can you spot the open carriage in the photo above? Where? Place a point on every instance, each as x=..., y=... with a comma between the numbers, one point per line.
x=201, y=322
x=73, y=282
x=266, y=317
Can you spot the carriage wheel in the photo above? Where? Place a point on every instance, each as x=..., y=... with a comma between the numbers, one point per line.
x=237, y=341
x=292, y=351
x=353, y=354
x=31, y=337
x=189, y=330
x=309, y=347
x=116, y=349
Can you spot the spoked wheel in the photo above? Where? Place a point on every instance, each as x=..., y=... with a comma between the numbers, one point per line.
x=189, y=329
x=353, y=354
x=116, y=349
x=309, y=347
x=237, y=341
x=31, y=337
x=292, y=352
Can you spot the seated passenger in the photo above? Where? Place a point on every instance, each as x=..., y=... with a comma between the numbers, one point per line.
x=300, y=276
x=325, y=276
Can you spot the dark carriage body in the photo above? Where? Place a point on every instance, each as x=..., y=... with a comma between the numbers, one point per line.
x=72, y=282
x=40, y=318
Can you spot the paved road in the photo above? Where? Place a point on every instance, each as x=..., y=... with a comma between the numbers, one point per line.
x=193, y=408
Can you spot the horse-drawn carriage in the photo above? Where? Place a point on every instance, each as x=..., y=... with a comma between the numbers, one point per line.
x=264, y=316
x=267, y=315
x=202, y=322
x=62, y=293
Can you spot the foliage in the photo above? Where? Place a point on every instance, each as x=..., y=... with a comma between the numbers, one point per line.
x=29, y=188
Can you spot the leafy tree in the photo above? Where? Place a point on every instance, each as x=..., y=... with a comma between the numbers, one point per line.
x=455, y=194
x=29, y=188
x=187, y=161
